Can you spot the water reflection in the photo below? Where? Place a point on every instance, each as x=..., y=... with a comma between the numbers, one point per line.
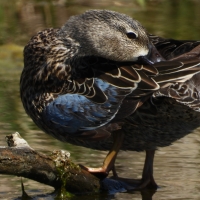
x=20, y=19
x=176, y=167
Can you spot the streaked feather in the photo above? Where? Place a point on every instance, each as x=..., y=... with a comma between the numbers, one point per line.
x=73, y=96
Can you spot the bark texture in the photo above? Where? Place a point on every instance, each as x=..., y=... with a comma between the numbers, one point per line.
x=57, y=170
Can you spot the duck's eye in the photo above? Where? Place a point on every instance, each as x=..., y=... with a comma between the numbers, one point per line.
x=131, y=35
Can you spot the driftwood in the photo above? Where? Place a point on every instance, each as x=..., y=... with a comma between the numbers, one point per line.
x=56, y=170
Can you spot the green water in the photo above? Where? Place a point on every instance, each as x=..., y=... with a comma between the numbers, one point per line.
x=176, y=167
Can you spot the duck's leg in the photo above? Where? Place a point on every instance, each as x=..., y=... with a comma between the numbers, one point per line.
x=147, y=180
x=147, y=175
x=109, y=161
x=114, y=171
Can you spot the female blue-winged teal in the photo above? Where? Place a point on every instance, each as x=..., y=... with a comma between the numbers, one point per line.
x=83, y=83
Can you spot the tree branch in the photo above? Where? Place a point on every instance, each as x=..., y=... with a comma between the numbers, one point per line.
x=56, y=170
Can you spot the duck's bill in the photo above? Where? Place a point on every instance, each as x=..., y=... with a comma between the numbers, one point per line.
x=152, y=57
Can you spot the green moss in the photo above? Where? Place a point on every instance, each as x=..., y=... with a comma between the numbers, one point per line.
x=64, y=166
x=62, y=194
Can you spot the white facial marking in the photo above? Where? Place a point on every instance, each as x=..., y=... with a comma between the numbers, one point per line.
x=140, y=52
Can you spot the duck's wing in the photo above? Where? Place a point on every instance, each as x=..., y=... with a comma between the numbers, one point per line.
x=122, y=76
x=116, y=92
x=176, y=71
x=183, y=85
x=193, y=54
x=187, y=93
x=170, y=48
x=144, y=85
x=169, y=73
x=90, y=102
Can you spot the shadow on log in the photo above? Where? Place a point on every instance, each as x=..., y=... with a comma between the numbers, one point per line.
x=56, y=170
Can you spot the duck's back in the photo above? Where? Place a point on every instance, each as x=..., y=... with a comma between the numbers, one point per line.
x=174, y=110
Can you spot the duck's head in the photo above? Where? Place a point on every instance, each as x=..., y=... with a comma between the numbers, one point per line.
x=108, y=34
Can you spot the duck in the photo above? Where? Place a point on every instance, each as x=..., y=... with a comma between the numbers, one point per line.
x=86, y=82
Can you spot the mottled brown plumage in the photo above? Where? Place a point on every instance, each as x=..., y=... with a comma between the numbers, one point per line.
x=86, y=84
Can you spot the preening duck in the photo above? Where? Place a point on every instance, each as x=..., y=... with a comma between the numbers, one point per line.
x=83, y=83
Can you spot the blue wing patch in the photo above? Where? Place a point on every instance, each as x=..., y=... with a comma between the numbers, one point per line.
x=75, y=113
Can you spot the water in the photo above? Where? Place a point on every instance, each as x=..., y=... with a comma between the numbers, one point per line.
x=176, y=167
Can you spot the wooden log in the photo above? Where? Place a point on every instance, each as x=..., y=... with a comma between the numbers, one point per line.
x=56, y=170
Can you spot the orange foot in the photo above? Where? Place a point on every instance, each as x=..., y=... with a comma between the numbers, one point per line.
x=109, y=162
x=99, y=172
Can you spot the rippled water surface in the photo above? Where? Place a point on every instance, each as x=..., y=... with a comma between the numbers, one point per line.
x=176, y=168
